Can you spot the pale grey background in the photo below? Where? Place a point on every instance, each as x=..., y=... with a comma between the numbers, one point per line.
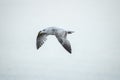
x=95, y=43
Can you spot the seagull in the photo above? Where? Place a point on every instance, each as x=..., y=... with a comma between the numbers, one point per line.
x=60, y=34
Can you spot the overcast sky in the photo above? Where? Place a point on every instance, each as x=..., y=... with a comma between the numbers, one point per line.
x=95, y=43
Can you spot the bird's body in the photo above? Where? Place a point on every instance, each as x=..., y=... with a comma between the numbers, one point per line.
x=60, y=34
x=53, y=30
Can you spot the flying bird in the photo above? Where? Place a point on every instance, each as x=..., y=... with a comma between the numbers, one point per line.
x=60, y=34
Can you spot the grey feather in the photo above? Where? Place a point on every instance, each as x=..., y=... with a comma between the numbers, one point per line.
x=41, y=38
x=64, y=42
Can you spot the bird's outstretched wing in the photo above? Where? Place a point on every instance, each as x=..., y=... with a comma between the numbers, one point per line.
x=65, y=43
x=41, y=38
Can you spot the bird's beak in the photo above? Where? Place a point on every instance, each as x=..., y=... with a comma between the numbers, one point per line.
x=40, y=32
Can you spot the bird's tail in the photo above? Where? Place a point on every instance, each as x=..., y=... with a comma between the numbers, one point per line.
x=70, y=32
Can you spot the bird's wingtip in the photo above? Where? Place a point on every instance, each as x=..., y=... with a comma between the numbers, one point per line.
x=69, y=51
x=37, y=47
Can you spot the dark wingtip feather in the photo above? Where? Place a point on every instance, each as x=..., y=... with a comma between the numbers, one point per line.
x=69, y=51
x=37, y=48
x=68, y=48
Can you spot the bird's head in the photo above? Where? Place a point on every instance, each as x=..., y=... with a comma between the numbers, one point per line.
x=44, y=31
